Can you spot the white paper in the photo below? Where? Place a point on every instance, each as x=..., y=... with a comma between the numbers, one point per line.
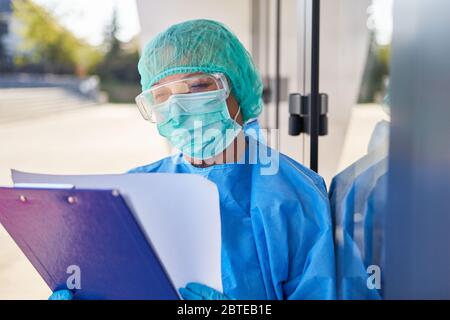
x=178, y=212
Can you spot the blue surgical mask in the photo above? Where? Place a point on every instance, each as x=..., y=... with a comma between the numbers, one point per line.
x=199, y=124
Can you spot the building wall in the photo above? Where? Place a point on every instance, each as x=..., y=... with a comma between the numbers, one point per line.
x=156, y=16
x=11, y=40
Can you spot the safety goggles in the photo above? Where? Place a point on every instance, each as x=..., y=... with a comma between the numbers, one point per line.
x=151, y=102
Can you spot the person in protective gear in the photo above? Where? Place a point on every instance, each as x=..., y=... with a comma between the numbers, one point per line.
x=204, y=93
x=358, y=198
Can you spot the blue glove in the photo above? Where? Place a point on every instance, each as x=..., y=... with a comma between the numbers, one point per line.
x=61, y=295
x=197, y=291
x=193, y=291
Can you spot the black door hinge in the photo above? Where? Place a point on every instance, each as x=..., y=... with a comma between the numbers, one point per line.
x=299, y=107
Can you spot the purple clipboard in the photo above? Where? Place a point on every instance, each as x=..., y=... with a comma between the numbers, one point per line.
x=91, y=232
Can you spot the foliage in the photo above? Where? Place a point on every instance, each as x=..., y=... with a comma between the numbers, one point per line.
x=119, y=63
x=48, y=47
x=48, y=44
x=376, y=73
x=118, y=69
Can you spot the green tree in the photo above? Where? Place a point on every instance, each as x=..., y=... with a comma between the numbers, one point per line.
x=48, y=44
x=118, y=70
x=119, y=63
x=112, y=43
x=375, y=72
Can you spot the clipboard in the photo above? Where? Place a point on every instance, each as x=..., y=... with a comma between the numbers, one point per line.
x=178, y=213
x=54, y=228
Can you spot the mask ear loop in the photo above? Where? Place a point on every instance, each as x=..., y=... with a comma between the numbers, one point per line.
x=237, y=114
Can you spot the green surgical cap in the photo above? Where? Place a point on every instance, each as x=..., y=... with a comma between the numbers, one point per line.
x=204, y=46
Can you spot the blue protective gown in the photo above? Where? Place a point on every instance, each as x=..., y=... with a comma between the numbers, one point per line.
x=358, y=198
x=277, y=240
x=374, y=225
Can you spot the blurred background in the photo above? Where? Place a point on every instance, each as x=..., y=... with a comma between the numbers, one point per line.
x=68, y=79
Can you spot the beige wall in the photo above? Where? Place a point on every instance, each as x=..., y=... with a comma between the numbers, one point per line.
x=156, y=16
x=344, y=46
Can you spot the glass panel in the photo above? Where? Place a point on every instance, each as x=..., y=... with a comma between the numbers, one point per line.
x=358, y=191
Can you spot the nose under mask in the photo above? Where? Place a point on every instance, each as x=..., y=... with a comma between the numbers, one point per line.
x=201, y=126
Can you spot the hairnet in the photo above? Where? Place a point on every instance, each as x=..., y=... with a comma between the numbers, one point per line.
x=204, y=46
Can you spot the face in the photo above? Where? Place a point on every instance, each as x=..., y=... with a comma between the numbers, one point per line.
x=181, y=88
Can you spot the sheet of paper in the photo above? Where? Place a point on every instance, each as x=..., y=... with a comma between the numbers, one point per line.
x=178, y=212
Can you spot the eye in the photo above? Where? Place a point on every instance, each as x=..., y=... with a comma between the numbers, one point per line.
x=199, y=87
x=161, y=95
x=202, y=85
